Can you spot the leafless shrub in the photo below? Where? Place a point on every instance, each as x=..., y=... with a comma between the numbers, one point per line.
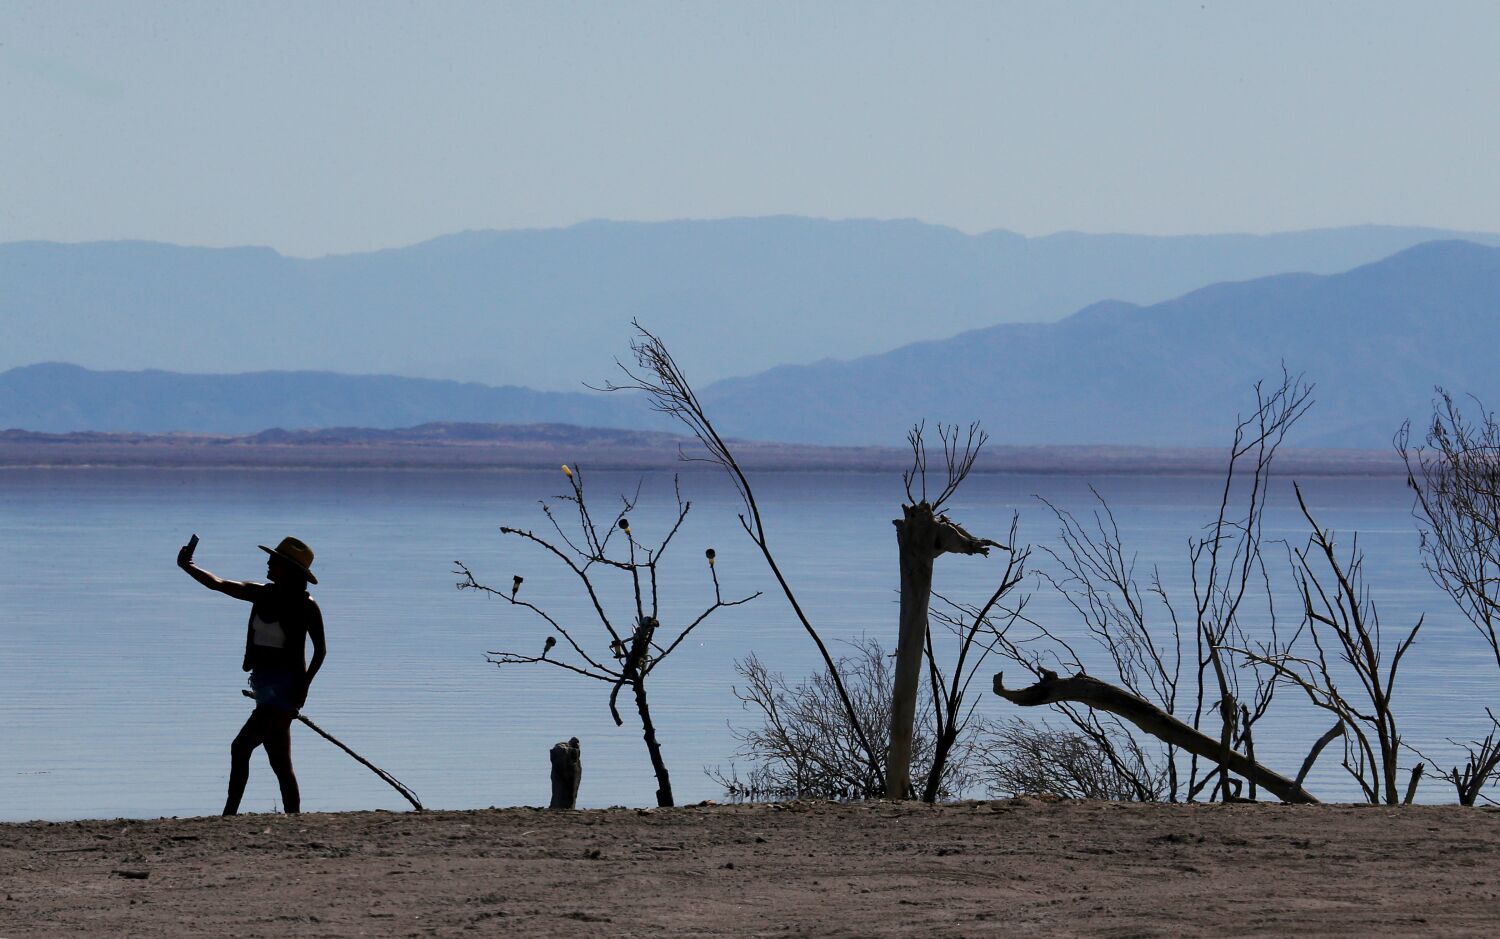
x=1454, y=473
x=802, y=745
x=1015, y=757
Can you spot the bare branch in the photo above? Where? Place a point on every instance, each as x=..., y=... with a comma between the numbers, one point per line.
x=637, y=659
x=668, y=391
x=1105, y=697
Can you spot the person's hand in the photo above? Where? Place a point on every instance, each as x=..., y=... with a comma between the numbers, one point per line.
x=185, y=557
x=302, y=694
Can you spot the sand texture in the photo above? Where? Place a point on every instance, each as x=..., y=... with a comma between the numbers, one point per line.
x=1004, y=868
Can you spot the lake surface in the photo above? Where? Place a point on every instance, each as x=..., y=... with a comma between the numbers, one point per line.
x=119, y=676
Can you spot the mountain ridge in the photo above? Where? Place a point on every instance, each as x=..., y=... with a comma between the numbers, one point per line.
x=545, y=308
x=1376, y=339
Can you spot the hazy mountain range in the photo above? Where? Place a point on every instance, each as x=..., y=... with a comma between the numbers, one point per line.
x=1375, y=339
x=549, y=309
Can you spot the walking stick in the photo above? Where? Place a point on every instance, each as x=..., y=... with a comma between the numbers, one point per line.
x=390, y=780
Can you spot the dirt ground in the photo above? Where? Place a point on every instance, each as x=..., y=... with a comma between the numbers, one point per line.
x=1014, y=867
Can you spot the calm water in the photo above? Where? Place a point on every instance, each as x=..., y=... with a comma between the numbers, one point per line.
x=119, y=677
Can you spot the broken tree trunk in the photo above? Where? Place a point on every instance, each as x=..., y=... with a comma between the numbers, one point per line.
x=1411, y=786
x=1333, y=733
x=1102, y=696
x=920, y=537
x=567, y=773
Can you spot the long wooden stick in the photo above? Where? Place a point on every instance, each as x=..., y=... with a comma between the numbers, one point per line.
x=390, y=780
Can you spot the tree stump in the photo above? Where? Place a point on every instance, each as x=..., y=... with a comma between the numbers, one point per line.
x=567, y=773
x=921, y=536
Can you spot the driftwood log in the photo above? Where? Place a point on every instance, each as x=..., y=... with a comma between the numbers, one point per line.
x=1102, y=696
x=567, y=773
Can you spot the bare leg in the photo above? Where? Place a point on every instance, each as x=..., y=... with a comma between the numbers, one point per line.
x=250, y=736
x=278, y=744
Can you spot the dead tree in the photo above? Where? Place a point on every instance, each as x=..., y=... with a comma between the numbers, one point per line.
x=1098, y=581
x=1232, y=599
x=1454, y=472
x=1130, y=763
x=629, y=653
x=922, y=535
x=1101, y=696
x=1339, y=615
x=1456, y=479
x=667, y=389
x=1228, y=570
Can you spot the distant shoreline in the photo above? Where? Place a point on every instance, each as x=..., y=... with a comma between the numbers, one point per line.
x=482, y=448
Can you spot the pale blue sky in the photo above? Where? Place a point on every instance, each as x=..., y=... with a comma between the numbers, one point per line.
x=332, y=127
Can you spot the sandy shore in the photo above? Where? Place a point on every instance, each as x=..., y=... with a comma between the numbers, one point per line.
x=1017, y=867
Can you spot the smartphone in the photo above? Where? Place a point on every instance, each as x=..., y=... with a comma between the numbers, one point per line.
x=192, y=545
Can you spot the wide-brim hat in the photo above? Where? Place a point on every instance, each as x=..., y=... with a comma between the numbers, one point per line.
x=295, y=553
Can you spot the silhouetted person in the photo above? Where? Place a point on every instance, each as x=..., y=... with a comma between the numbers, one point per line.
x=282, y=618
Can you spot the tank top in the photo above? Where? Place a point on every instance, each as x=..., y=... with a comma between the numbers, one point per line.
x=276, y=636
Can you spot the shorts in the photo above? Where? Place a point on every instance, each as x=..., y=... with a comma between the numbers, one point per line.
x=274, y=688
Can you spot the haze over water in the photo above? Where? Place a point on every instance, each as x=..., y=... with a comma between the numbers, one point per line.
x=119, y=677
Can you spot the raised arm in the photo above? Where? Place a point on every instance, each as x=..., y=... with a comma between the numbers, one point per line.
x=238, y=589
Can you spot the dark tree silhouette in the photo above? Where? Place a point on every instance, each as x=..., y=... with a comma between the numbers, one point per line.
x=1454, y=472
x=1228, y=575
x=631, y=644
x=923, y=534
x=1339, y=617
x=667, y=389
